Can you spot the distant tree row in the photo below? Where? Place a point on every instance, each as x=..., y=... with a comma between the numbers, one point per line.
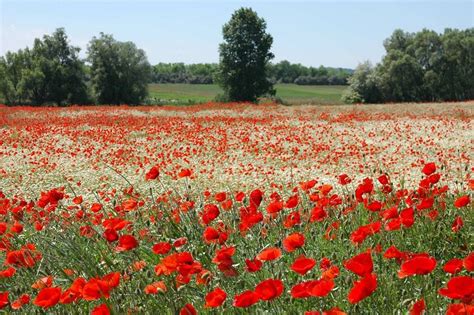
x=199, y=73
x=281, y=72
x=52, y=73
x=422, y=66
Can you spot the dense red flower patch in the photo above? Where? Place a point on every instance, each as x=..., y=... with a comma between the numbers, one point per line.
x=236, y=208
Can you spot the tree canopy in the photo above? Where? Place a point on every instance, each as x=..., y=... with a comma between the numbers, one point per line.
x=244, y=57
x=51, y=72
x=422, y=66
x=120, y=72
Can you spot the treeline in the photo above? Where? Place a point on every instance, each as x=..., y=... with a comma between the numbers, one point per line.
x=422, y=66
x=281, y=72
x=52, y=73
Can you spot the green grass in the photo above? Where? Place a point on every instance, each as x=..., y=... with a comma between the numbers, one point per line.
x=291, y=93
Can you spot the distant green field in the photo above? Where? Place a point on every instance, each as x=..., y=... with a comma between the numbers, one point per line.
x=291, y=93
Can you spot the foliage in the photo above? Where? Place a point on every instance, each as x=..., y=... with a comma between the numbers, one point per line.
x=422, y=66
x=281, y=72
x=244, y=57
x=363, y=85
x=51, y=72
x=286, y=72
x=120, y=71
x=200, y=73
x=12, y=76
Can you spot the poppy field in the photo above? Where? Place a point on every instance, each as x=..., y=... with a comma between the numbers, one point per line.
x=237, y=209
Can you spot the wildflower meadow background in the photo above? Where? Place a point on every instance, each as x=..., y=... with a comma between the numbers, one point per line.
x=237, y=208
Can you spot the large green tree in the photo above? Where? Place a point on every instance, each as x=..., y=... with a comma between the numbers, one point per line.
x=244, y=57
x=422, y=66
x=51, y=72
x=12, y=76
x=119, y=71
x=364, y=86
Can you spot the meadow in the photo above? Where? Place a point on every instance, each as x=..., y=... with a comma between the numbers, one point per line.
x=289, y=93
x=237, y=209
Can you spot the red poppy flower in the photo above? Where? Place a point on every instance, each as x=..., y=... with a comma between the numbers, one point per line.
x=344, y=179
x=155, y=287
x=292, y=219
x=209, y=213
x=303, y=264
x=330, y=273
x=292, y=202
x=383, y=179
x=188, y=309
x=418, y=308
x=269, y=289
x=130, y=204
x=221, y=196
x=429, y=169
x=102, y=309
x=126, y=242
x=77, y=200
x=94, y=289
x=44, y=282
x=8, y=273
x=317, y=214
x=316, y=288
x=460, y=309
x=245, y=299
x=256, y=197
x=210, y=235
x=215, y=298
x=426, y=203
x=359, y=235
x=185, y=172
x=270, y=253
x=468, y=262
x=96, y=207
x=302, y=290
x=322, y=287
x=362, y=288
x=457, y=224
x=274, y=207
x=419, y=265
x=407, y=217
x=152, y=173
x=293, y=241
x=453, y=266
x=18, y=303
x=111, y=235
x=48, y=297
x=361, y=264
x=334, y=311
x=4, y=299
x=180, y=242
x=462, y=201
x=459, y=288
x=253, y=265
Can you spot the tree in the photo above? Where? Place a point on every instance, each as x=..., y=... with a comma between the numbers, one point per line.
x=50, y=72
x=363, y=85
x=55, y=73
x=422, y=66
x=12, y=76
x=244, y=57
x=120, y=72
x=401, y=77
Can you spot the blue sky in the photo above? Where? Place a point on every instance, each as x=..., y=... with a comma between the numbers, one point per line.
x=330, y=33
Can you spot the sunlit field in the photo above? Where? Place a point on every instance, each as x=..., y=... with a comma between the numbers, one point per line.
x=237, y=208
x=288, y=93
